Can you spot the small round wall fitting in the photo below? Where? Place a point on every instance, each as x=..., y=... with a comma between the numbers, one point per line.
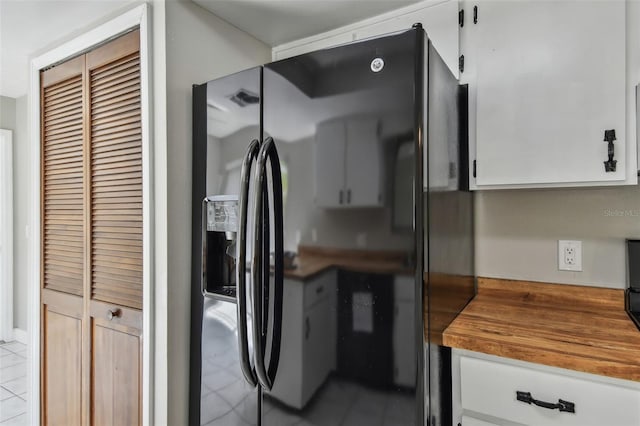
x=377, y=64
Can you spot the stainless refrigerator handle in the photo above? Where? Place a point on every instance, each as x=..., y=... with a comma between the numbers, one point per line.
x=261, y=267
x=241, y=265
x=278, y=270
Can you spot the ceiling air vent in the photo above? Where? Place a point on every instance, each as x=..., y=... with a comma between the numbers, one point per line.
x=243, y=97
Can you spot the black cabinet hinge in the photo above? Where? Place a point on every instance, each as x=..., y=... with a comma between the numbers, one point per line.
x=474, y=168
x=461, y=63
x=461, y=18
x=475, y=14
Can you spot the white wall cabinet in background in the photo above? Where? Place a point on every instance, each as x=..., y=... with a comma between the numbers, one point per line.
x=546, y=80
x=485, y=392
x=330, y=147
x=348, y=169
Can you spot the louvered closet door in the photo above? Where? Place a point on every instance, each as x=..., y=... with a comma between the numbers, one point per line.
x=92, y=237
x=62, y=248
x=116, y=231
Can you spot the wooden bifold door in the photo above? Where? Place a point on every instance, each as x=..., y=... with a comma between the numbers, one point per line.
x=91, y=248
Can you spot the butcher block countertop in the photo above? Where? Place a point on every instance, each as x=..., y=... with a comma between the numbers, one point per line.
x=574, y=327
x=314, y=260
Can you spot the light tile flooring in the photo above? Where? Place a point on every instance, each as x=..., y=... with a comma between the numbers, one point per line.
x=227, y=399
x=341, y=402
x=13, y=384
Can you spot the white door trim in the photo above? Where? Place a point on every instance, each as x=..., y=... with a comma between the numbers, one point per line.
x=136, y=17
x=6, y=235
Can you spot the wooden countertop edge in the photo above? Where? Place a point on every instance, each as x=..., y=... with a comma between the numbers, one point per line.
x=547, y=357
x=534, y=337
x=313, y=261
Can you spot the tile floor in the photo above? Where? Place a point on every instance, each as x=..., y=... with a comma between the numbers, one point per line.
x=13, y=384
x=227, y=399
x=341, y=402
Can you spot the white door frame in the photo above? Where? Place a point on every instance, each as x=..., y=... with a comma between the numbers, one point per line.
x=6, y=235
x=136, y=17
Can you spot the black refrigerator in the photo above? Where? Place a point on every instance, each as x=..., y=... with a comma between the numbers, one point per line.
x=332, y=238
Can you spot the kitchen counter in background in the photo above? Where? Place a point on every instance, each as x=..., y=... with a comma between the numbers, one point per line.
x=574, y=327
x=311, y=261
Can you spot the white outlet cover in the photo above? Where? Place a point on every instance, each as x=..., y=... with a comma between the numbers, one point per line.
x=361, y=240
x=568, y=246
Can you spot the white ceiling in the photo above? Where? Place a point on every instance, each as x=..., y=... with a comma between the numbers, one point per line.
x=29, y=27
x=279, y=21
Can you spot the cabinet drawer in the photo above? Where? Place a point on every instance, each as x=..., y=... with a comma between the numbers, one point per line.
x=318, y=288
x=314, y=291
x=471, y=421
x=490, y=388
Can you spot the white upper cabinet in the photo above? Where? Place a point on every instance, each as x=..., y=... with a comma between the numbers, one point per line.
x=329, y=154
x=550, y=78
x=348, y=163
x=364, y=170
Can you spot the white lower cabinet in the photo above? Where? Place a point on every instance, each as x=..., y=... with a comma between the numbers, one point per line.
x=404, y=354
x=486, y=388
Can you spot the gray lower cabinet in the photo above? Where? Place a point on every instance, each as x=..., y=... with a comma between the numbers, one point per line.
x=404, y=328
x=309, y=328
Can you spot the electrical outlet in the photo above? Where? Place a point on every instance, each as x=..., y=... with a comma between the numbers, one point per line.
x=361, y=240
x=569, y=255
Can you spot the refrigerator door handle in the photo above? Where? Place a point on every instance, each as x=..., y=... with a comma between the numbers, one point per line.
x=241, y=264
x=261, y=271
x=278, y=272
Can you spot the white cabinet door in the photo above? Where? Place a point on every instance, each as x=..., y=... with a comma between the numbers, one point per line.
x=316, y=344
x=363, y=163
x=330, y=146
x=550, y=81
x=348, y=163
x=288, y=383
x=404, y=354
x=404, y=326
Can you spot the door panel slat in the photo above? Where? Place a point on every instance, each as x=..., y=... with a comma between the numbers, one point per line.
x=116, y=189
x=62, y=186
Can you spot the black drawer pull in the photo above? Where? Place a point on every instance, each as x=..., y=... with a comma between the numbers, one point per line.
x=563, y=406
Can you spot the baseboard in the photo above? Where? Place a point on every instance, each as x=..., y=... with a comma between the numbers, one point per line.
x=20, y=336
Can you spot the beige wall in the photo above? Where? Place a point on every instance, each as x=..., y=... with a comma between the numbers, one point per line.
x=13, y=116
x=7, y=113
x=517, y=230
x=517, y=233
x=21, y=172
x=199, y=47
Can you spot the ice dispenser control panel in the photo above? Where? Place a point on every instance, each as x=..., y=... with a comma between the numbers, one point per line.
x=222, y=214
x=219, y=274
